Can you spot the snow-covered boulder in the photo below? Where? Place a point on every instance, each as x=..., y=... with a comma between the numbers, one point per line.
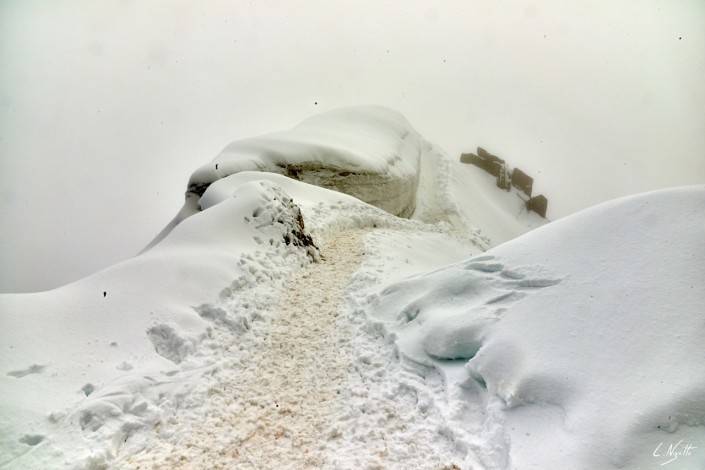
x=578, y=345
x=369, y=152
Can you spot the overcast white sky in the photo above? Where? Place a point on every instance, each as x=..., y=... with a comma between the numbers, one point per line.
x=107, y=107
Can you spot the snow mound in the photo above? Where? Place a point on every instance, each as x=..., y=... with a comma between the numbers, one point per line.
x=577, y=345
x=371, y=153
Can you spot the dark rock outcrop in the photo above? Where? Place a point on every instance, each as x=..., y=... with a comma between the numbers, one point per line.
x=492, y=164
x=538, y=204
x=522, y=181
x=498, y=168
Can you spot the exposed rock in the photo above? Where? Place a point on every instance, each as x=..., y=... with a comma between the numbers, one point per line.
x=498, y=168
x=396, y=195
x=492, y=164
x=522, y=181
x=538, y=204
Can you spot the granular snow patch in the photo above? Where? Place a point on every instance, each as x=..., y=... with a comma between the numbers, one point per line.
x=320, y=392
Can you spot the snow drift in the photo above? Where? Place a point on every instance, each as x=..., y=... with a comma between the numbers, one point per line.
x=578, y=345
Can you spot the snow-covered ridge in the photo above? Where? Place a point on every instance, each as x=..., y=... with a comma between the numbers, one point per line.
x=88, y=367
x=87, y=364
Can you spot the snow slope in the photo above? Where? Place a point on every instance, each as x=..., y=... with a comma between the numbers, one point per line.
x=578, y=345
x=176, y=357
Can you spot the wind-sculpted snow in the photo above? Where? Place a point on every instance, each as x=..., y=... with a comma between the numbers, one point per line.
x=574, y=346
x=452, y=321
x=368, y=152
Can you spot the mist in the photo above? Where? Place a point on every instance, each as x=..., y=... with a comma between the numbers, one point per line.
x=106, y=108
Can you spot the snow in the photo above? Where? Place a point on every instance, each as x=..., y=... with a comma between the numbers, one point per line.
x=580, y=342
x=278, y=323
x=369, y=152
x=92, y=351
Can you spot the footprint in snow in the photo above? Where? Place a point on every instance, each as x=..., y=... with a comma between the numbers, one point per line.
x=451, y=322
x=523, y=276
